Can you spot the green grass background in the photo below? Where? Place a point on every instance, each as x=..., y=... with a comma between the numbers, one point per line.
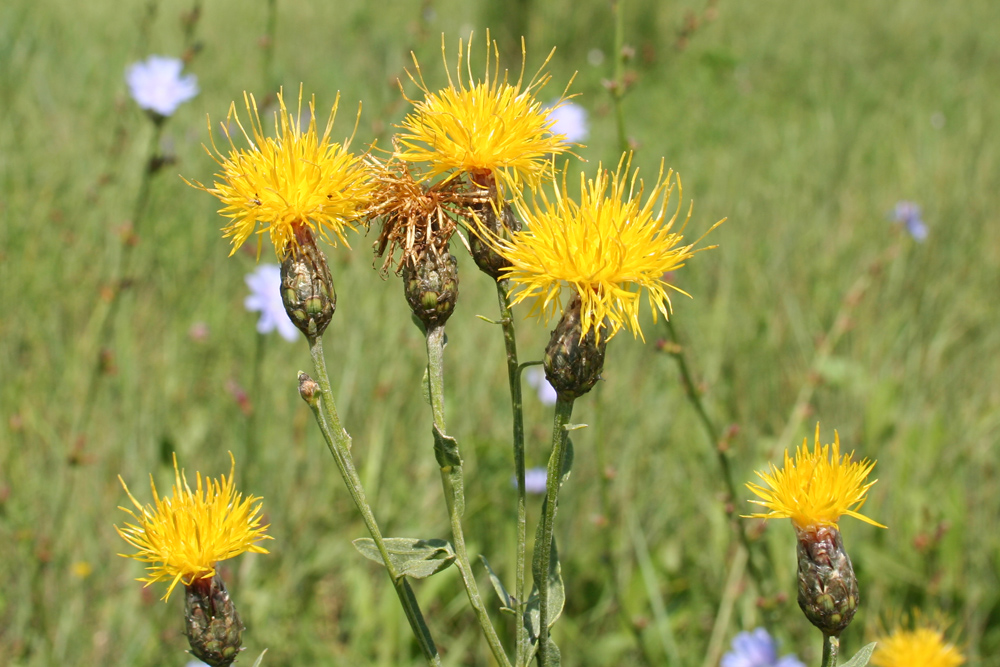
x=803, y=123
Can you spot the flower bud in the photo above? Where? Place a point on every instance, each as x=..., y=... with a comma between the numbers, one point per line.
x=213, y=627
x=431, y=288
x=573, y=364
x=306, y=285
x=828, y=590
x=499, y=220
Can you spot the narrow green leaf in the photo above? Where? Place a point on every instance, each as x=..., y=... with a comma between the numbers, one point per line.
x=501, y=590
x=260, y=658
x=862, y=657
x=448, y=457
x=410, y=556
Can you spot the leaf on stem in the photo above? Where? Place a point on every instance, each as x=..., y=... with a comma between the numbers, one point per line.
x=411, y=556
x=862, y=657
x=508, y=601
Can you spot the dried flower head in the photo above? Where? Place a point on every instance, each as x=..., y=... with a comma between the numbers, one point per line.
x=298, y=177
x=184, y=535
x=492, y=128
x=609, y=247
x=417, y=217
x=816, y=488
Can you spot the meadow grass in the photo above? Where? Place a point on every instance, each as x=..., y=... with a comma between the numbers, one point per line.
x=803, y=123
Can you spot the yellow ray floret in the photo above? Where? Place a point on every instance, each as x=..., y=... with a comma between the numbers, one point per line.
x=816, y=488
x=183, y=536
x=609, y=247
x=921, y=647
x=485, y=128
x=297, y=177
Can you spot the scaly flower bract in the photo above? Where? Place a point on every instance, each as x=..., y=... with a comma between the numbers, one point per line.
x=265, y=298
x=156, y=84
x=298, y=177
x=184, y=535
x=609, y=247
x=920, y=647
x=816, y=488
x=490, y=128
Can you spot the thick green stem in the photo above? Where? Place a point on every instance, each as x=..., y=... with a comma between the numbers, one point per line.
x=564, y=410
x=831, y=647
x=339, y=443
x=454, y=492
x=517, y=406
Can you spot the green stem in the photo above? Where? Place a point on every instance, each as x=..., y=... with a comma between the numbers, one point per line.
x=454, y=491
x=831, y=647
x=563, y=411
x=618, y=89
x=339, y=443
x=517, y=407
x=694, y=395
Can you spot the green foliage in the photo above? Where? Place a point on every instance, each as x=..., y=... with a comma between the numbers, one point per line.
x=803, y=123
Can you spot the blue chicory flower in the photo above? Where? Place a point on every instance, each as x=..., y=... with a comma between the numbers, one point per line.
x=569, y=120
x=757, y=649
x=534, y=480
x=907, y=214
x=265, y=298
x=156, y=84
x=536, y=379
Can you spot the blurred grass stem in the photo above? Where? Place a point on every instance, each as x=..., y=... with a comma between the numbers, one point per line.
x=339, y=443
x=455, y=494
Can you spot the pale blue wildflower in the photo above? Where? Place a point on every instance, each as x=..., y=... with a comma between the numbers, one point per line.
x=156, y=84
x=534, y=480
x=907, y=214
x=536, y=379
x=569, y=120
x=265, y=298
x=757, y=649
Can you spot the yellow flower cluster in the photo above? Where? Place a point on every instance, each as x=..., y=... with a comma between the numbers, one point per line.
x=815, y=488
x=184, y=535
x=920, y=647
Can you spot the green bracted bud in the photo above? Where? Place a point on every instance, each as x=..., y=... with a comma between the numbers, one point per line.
x=573, y=364
x=431, y=288
x=307, y=285
x=487, y=259
x=828, y=590
x=213, y=627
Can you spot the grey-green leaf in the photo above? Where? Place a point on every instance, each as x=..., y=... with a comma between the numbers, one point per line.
x=410, y=556
x=501, y=590
x=260, y=659
x=862, y=657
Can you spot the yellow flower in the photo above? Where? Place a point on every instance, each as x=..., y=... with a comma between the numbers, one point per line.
x=296, y=178
x=816, y=488
x=921, y=647
x=491, y=129
x=609, y=247
x=183, y=536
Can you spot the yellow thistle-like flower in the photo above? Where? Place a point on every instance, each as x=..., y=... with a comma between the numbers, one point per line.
x=920, y=647
x=296, y=178
x=608, y=247
x=816, y=488
x=494, y=130
x=183, y=536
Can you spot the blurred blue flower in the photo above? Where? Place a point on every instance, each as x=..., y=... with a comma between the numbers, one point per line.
x=907, y=214
x=569, y=120
x=534, y=480
x=535, y=376
x=156, y=84
x=757, y=649
x=265, y=298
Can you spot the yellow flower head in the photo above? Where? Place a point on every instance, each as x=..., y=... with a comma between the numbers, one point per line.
x=296, y=178
x=183, y=536
x=608, y=247
x=816, y=488
x=491, y=129
x=920, y=647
